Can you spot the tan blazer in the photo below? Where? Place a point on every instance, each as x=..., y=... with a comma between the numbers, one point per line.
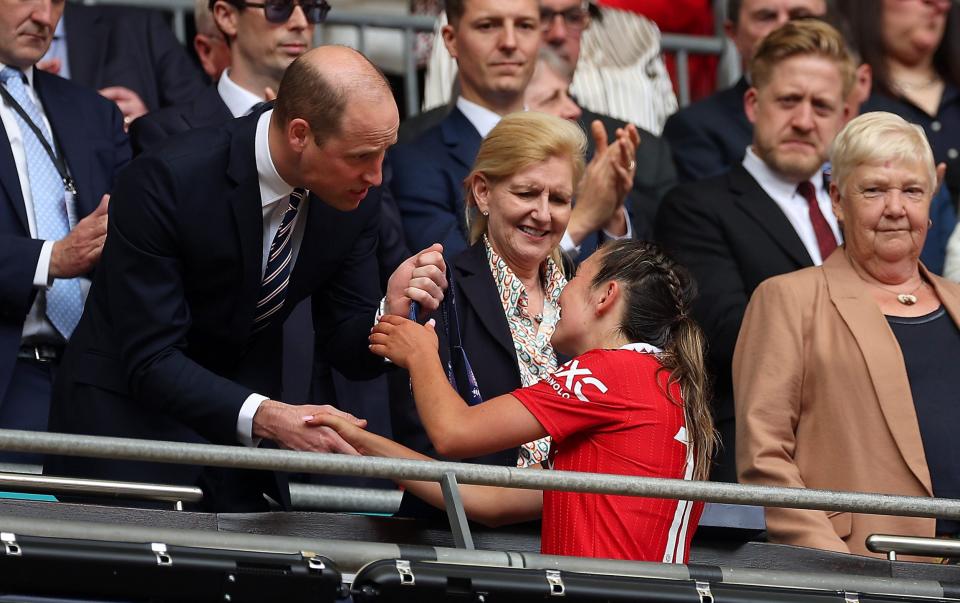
x=823, y=401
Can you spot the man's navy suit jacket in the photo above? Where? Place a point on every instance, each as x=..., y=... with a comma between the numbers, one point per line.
x=130, y=47
x=731, y=236
x=165, y=349
x=89, y=130
x=207, y=109
x=710, y=136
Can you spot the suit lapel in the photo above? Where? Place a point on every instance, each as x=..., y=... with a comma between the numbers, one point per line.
x=757, y=204
x=247, y=208
x=881, y=353
x=461, y=138
x=10, y=181
x=472, y=271
x=87, y=39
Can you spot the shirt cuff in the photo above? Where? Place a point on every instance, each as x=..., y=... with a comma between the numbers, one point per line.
x=245, y=420
x=629, y=234
x=41, y=278
x=381, y=310
x=568, y=246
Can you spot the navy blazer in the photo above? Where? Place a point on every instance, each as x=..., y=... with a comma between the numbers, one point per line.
x=710, y=136
x=130, y=47
x=731, y=236
x=165, y=349
x=207, y=109
x=89, y=130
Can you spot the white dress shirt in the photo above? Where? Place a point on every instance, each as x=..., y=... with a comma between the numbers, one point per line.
x=484, y=120
x=239, y=101
x=792, y=203
x=274, y=192
x=36, y=327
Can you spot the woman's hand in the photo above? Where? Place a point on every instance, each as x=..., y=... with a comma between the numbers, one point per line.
x=351, y=432
x=403, y=341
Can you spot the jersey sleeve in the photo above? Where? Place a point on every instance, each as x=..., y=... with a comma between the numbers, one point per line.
x=579, y=397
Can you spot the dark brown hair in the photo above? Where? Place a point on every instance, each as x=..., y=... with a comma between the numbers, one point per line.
x=658, y=294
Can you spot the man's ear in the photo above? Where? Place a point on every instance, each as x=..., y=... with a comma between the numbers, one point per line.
x=298, y=134
x=750, y=104
x=226, y=15
x=449, y=35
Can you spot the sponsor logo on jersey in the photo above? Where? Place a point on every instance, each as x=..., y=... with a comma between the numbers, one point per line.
x=574, y=379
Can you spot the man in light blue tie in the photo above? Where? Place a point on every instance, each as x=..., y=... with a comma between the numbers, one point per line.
x=64, y=145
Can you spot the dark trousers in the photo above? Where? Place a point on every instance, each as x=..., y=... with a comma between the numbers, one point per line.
x=26, y=403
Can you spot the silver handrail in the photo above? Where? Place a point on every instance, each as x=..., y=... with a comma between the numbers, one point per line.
x=308, y=462
x=47, y=484
x=912, y=545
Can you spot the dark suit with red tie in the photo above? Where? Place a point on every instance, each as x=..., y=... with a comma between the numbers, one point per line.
x=732, y=236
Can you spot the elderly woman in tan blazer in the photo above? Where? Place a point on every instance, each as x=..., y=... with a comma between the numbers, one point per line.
x=846, y=375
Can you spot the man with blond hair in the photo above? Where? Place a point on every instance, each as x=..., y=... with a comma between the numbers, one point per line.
x=771, y=214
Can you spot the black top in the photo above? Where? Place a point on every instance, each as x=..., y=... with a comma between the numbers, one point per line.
x=931, y=346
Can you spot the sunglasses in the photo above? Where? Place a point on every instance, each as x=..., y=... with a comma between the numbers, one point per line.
x=575, y=18
x=278, y=11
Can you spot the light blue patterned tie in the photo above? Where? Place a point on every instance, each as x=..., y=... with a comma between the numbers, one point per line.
x=64, y=299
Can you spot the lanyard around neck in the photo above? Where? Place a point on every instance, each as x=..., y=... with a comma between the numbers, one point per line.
x=56, y=158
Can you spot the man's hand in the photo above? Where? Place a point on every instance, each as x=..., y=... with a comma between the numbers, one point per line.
x=285, y=425
x=79, y=251
x=130, y=103
x=421, y=278
x=50, y=66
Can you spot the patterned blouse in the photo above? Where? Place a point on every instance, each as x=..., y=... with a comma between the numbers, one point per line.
x=531, y=334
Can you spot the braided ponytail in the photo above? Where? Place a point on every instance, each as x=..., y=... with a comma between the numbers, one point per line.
x=658, y=293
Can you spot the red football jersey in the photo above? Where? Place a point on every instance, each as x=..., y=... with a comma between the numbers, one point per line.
x=607, y=414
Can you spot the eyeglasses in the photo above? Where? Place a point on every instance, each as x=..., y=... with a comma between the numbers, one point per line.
x=278, y=11
x=575, y=18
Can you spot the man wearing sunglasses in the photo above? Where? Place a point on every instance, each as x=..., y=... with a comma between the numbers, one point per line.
x=263, y=38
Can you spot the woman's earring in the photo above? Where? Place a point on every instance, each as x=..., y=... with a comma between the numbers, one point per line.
x=485, y=213
x=929, y=222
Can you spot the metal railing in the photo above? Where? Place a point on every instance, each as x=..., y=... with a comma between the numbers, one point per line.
x=912, y=545
x=436, y=471
x=47, y=484
x=409, y=25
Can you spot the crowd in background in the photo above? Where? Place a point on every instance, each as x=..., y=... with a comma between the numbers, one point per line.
x=187, y=241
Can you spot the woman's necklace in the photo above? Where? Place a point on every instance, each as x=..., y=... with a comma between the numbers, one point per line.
x=907, y=299
x=907, y=85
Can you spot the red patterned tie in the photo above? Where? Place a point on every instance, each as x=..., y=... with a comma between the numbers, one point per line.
x=825, y=239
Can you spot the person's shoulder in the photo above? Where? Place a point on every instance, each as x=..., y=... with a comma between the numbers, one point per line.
x=799, y=284
x=705, y=112
x=49, y=84
x=413, y=127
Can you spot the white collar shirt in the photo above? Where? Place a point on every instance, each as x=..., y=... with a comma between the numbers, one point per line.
x=238, y=100
x=793, y=205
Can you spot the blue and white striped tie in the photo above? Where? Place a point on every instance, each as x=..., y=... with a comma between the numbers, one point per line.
x=276, y=277
x=64, y=299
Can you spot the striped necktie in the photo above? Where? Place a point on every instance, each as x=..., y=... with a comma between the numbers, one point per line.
x=276, y=277
x=64, y=297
